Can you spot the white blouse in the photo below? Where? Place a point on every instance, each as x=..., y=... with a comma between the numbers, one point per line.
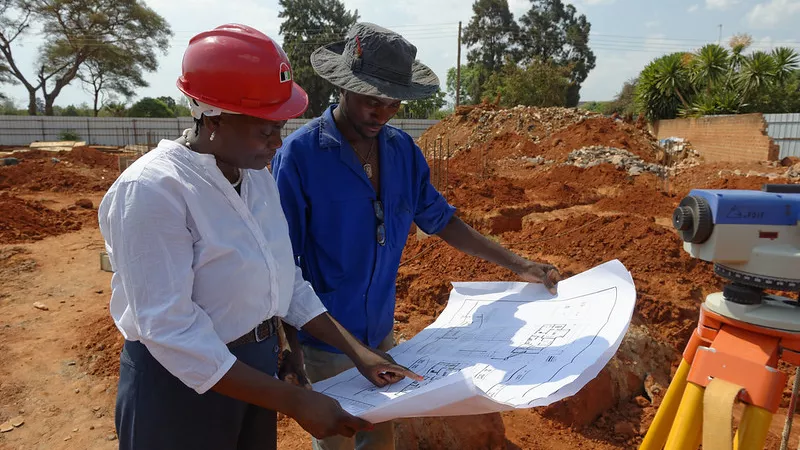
x=196, y=264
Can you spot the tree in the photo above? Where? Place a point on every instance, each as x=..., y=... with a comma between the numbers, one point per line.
x=422, y=109
x=150, y=107
x=537, y=84
x=308, y=24
x=74, y=31
x=492, y=32
x=490, y=36
x=109, y=72
x=551, y=31
x=663, y=87
x=714, y=80
x=116, y=109
x=472, y=79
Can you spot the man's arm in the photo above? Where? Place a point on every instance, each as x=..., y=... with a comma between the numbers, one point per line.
x=466, y=239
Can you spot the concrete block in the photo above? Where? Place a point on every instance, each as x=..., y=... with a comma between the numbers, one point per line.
x=105, y=263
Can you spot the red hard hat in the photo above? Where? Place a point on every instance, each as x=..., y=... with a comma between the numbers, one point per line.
x=239, y=69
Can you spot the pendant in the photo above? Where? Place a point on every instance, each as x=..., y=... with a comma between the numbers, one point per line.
x=368, y=170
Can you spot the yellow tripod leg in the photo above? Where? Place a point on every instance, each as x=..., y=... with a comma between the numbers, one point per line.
x=753, y=429
x=657, y=434
x=686, y=432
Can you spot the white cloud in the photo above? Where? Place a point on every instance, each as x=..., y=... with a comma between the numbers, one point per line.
x=652, y=24
x=721, y=4
x=693, y=8
x=772, y=13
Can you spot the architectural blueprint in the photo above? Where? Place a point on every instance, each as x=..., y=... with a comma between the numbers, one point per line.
x=500, y=346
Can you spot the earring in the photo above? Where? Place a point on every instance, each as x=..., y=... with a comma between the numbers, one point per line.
x=211, y=138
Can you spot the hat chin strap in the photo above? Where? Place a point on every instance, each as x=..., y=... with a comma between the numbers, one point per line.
x=200, y=109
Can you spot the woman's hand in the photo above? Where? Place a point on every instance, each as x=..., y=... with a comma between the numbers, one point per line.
x=380, y=368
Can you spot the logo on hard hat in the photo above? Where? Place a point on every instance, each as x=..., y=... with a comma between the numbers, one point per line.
x=286, y=73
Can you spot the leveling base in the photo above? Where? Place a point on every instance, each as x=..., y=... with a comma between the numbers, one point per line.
x=732, y=356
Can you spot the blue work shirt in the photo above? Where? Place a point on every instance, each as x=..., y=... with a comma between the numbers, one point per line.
x=328, y=202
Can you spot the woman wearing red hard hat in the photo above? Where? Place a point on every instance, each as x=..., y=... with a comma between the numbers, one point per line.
x=204, y=273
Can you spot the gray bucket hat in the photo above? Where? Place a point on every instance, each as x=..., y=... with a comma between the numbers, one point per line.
x=375, y=61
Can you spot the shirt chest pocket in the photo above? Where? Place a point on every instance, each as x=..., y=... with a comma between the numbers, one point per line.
x=398, y=221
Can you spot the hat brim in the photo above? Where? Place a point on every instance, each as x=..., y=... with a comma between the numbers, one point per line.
x=292, y=108
x=329, y=64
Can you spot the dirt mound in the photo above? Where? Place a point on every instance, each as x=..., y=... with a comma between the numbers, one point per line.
x=40, y=174
x=25, y=220
x=474, y=193
x=85, y=156
x=598, y=131
x=101, y=346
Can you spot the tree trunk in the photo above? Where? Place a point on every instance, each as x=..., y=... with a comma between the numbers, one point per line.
x=31, y=102
x=48, y=105
x=96, y=94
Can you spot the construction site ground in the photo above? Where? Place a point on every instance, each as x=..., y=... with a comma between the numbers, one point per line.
x=512, y=174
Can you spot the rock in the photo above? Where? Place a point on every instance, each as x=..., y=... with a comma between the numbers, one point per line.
x=789, y=161
x=620, y=381
x=84, y=203
x=479, y=432
x=5, y=427
x=642, y=402
x=635, y=171
x=17, y=421
x=41, y=306
x=55, y=160
x=111, y=437
x=9, y=162
x=625, y=429
x=68, y=438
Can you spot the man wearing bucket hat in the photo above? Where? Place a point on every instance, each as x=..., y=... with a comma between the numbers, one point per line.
x=351, y=185
x=203, y=267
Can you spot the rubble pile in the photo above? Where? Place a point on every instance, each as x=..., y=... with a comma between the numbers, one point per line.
x=595, y=155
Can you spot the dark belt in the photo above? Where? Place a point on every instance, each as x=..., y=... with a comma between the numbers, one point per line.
x=263, y=331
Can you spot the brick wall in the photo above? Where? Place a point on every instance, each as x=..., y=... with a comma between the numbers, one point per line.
x=741, y=137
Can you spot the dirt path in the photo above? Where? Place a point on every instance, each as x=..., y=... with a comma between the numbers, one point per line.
x=42, y=377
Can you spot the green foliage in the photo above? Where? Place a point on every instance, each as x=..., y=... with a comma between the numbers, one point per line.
x=422, y=109
x=307, y=25
x=150, y=107
x=553, y=31
x=491, y=34
x=715, y=80
x=9, y=108
x=114, y=109
x=68, y=135
x=472, y=78
x=77, y=33
x=537, y=84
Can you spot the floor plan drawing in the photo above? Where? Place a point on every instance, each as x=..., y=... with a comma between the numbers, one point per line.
x=512, y=344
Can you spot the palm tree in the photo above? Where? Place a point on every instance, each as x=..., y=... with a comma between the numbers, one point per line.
x=709, y=66
x=786, y=63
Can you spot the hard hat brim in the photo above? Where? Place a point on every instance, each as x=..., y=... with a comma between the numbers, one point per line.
x=291, y=108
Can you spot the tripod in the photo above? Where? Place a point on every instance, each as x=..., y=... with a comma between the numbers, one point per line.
x=732, y=355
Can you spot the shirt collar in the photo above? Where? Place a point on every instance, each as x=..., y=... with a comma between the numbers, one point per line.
x=330, y=136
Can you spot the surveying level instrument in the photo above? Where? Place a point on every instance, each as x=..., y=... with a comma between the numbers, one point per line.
x=753, y=239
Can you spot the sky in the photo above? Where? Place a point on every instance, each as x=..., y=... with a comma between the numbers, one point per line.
x=625, y=34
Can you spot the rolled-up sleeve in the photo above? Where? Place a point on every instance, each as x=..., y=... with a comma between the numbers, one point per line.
x=305, y=304
x=433, y=212
x=151, y=250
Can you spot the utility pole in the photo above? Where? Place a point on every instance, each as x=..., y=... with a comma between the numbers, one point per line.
x=458, y=68
x=719, y=41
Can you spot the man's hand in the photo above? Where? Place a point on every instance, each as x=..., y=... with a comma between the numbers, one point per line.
x=323, y=417
x=380, y=368
x=546, y=274
x=463, y=237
